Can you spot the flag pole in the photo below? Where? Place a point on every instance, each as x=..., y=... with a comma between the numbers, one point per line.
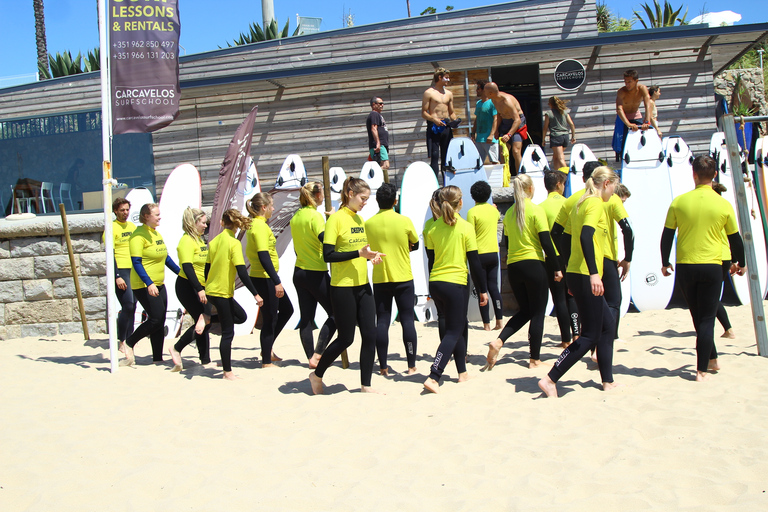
x=107, y=181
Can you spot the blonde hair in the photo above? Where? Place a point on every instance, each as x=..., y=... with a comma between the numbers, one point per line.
x=595, y=182
x=308, y=192
x=450, y=198
x=234, y=220
x=146, y=210
x=522, y=184
x=355, y=185
x=556, y=103
x=189, y=222
x=434, y=204
x=257, y=202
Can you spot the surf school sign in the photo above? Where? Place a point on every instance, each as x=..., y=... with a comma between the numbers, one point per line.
x=570, y=75
x=144, y=64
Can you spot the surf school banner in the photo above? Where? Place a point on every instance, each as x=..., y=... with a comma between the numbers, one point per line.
x=232, y=174
x=144, y=64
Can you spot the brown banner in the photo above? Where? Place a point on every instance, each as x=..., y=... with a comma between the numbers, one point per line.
x=144, y=64
x=232, y=174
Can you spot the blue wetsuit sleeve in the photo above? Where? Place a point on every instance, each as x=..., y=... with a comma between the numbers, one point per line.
x=269, y=268
x=172, y=265
x=330, y=255
x=245, y=279
x=588, y=249
x=138, y=267
x=667, y=239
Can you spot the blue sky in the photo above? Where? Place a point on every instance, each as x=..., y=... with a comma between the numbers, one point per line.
x=205, y=25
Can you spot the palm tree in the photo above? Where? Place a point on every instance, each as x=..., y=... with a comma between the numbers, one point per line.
x=42, y=46
x=604, y=17
x=256, y=34
x=658, y=16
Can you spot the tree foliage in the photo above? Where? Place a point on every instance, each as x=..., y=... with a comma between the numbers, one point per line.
x=40, y=40
x=64, y=65
x=432, y=10
x=657, y=16
x=256, y=34
x=608, y=22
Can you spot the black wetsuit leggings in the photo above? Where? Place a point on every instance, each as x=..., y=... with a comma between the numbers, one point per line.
x=597, y=329
x=404, y=296
x=528, y=279
x=451, y=300
x=612, y=286
x=191, y=302
x=154, y=325
x=437, y=147
x=230, y=313
x=313, y=287
x=127, y=302
x=275, y=314
x=359, y=310
x=722, y=315
x=490, y=264
x=565, y=306
x=701, y=285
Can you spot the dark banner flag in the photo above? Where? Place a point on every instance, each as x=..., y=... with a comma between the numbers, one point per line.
x=144, y=64
x=232, y=174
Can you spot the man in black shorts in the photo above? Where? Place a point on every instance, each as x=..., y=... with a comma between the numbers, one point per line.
x=378, y=134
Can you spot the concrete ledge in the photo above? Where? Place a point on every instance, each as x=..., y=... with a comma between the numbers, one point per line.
x=51, y=225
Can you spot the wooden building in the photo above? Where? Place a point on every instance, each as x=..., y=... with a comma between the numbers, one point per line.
x=313, y=91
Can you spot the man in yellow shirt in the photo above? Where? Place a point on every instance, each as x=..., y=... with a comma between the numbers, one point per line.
x=699, y=217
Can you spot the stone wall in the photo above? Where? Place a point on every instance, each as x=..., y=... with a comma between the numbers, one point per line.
x=37, y=291
x=752, y=81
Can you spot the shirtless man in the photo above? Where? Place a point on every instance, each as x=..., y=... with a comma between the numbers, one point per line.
x=628, y=115
x=437, y=110
x=513, y=127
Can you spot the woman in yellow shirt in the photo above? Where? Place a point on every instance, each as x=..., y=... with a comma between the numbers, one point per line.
x=345, y=247
x=527, y=231
x=588, y=239
x=262, y=254
x=310, y=275
x=190, y=285
x=149, y=258
x=225, y=260
x=450, y=244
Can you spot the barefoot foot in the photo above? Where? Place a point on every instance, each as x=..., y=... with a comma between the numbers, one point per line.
x=121, y=347
x=369, y=389
x=535, y=363
x=314, y=360
x=176, y=357
x=607, y=386
x=548, y=387
x=431, y=385
x=411, y=370
x=702, y=376
x=202, y=321
x=498, y=325
x=729, y=334
x=270, y=365
x=129, y=359
x=493, y=354
x=230, y=376
x=316, y=383
x=275, y=358
x=486, y=327
x=713, y=365
x=384, y=372
x=464, y=377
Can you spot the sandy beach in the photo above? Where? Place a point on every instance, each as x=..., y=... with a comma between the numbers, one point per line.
x=76, y=437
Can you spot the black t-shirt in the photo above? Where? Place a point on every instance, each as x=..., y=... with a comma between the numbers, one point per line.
x=377, y=120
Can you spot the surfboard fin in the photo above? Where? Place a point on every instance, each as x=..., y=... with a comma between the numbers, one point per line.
x=581, y=154
x=293, y=167
x=642, y=139
x=626, y=158
x=661, y=156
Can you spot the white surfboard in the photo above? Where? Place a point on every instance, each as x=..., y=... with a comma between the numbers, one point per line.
x=716, y=143
x=645, y=173
x=679, y=159
x=138, y=197
x=463, y=156
x=580, y=155
x=337, y=177
x=182, y=189
x=292, y=174
x=726, y=177
x=416, y=188
x=534, y=163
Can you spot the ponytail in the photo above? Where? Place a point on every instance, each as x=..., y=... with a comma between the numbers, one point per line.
x=522, y=184
x=257, y=202
x=308, y=193
x=235, y=220
x=450, y=199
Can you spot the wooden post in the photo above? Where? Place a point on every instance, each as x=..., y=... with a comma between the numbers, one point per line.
x=328, y=206
x=75, y=275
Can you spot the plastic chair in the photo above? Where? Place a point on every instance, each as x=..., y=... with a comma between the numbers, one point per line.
x=65, y=190
x=20, y=200
x=47, y=186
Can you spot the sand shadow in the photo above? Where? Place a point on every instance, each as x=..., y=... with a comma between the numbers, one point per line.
x=668, y=334
x=302, y=387
x=655, y=373
x=97, y=362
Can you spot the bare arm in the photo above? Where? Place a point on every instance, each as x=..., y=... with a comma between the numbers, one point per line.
x=573, y=129
x=545, y=129
x=647, y=103
x=495, y=127
x=654, y=121
x=375, y=133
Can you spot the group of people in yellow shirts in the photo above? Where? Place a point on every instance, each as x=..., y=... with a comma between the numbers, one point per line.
x=580, y=269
